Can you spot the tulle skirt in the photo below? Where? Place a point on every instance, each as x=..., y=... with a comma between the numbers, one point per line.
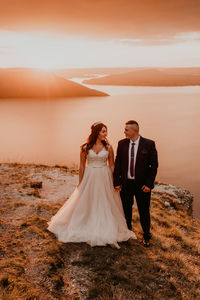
x=93, y=213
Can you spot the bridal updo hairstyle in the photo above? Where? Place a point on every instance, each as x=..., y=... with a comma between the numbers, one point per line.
x=92, y=138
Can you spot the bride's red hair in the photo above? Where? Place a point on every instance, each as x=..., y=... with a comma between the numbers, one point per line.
x=92, y=138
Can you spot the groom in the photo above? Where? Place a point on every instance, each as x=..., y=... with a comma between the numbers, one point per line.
x=135, y=170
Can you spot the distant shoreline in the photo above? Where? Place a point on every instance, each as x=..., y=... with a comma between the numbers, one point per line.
x=151, y=77
x=26, y=83
x=143, y=85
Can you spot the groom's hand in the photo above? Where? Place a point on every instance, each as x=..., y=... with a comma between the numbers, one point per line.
x=146, y=189
x=118, y=188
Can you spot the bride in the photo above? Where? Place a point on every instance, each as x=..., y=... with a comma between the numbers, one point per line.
x=93, y=213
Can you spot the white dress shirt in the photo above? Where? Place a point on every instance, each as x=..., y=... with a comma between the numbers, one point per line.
x=135, y=154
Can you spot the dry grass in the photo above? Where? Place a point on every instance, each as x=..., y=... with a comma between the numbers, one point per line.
x=34, y=265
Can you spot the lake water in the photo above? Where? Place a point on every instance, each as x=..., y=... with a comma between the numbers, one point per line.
x=51, y=131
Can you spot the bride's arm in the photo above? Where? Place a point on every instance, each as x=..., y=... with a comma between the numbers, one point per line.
x=82, y=165
x=111, y=158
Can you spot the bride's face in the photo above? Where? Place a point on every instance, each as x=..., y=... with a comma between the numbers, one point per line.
x=102, y=134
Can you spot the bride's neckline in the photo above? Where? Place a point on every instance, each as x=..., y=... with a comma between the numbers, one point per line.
x=98, y=152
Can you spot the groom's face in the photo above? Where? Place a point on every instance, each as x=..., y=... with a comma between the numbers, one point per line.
x=130, y=131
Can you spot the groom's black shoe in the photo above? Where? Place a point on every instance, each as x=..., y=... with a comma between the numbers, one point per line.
x=146, y=240
x=146, y=243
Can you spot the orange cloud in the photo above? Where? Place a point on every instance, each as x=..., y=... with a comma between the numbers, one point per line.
x=104, y=18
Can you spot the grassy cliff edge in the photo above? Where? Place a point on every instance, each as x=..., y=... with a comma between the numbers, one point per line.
x=34, y=265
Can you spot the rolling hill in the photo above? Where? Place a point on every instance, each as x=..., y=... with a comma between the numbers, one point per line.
x=151, y=77
x=32, y=83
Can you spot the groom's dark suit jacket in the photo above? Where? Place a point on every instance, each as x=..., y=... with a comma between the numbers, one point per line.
x=145, y=167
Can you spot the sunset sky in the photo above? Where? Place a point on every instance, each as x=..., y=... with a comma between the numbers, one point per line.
x=99, y=33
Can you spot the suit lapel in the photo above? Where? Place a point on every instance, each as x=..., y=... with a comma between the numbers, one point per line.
x=126, y=154
x=140, y=146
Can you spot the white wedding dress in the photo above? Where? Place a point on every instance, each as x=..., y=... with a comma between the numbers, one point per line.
x=93, y=213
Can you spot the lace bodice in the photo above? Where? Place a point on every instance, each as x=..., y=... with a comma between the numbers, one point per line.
x=97, y=160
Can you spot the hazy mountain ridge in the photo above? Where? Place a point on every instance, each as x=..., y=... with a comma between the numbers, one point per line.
x=151, y=77
x=32, y=83
x=85, y=72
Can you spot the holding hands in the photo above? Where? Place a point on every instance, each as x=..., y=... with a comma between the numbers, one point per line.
x=146, y=189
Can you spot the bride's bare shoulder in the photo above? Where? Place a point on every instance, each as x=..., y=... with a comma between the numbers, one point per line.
x=83, y=150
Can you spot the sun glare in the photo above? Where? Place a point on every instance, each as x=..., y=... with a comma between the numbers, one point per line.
x=50, y=51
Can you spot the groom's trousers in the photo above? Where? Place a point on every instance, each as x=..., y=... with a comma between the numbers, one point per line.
x=143, y=204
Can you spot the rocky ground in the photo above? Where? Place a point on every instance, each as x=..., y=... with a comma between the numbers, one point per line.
x=34, y=265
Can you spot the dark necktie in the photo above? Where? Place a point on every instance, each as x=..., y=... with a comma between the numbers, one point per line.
x=132, y=160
